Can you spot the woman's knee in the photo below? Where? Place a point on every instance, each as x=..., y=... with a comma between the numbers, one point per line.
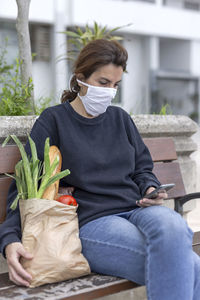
x=173, y=222
x=165, y=222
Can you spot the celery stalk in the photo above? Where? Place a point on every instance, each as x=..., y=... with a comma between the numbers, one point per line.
x=35, y=164
x=26, y=165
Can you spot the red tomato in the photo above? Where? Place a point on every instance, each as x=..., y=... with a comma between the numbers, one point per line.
x=67, y=199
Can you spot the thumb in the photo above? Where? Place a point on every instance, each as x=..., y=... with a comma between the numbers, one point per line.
x=25, y=253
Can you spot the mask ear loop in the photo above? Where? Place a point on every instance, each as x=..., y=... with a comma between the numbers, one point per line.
x=69, y=84
x=83, y=83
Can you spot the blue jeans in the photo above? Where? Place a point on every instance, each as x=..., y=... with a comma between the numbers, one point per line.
x=151, y=246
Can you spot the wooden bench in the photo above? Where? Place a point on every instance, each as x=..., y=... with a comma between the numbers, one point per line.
x=167, y=169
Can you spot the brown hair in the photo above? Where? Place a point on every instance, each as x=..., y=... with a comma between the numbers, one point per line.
x=94, y=55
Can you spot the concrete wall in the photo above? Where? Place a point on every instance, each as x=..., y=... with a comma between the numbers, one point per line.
x=135, y=87
x=175, y=55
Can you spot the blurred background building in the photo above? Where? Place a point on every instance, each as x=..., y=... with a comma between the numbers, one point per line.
x=163, y=42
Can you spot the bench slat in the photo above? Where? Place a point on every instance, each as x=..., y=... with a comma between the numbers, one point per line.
x=196, y=238
x=88, y=287
x=161, y=149
x=4, y=186
x=170, y=173
x=9, y=156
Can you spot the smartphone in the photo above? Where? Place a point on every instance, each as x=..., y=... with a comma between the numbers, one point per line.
x=163, y=187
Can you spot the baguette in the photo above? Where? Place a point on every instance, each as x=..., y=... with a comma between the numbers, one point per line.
x=52, y=191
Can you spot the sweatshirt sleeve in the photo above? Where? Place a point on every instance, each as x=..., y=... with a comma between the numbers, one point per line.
x=143, y=175
x=10, y=229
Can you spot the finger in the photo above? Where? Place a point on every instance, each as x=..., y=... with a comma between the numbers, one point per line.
x=15, y=265
x=70, y=190
x=17, y=279
x=22, y=252
x=62, y=190
x=162, y=195
x=151, y=202
x=66, y=190
x=138, y=202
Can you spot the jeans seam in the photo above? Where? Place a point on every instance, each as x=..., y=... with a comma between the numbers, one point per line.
x=113, y=245
x=149, y=290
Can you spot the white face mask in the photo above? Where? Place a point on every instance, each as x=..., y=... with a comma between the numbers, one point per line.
x=97, y=98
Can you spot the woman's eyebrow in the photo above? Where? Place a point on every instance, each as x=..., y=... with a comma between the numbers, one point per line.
x=119, y=81
x=104, y=78
x=109, y=81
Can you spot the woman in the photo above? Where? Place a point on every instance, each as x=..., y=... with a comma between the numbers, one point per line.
x=122, y=232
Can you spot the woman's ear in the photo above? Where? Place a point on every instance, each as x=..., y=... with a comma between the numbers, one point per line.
x=80, y=77
x=83, y=88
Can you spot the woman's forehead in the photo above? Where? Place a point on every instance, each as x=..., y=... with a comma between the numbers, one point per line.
x=109, y=71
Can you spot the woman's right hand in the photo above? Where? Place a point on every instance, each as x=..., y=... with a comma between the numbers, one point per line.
x=17, y=273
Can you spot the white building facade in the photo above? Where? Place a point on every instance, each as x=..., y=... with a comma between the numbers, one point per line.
x=163, y=42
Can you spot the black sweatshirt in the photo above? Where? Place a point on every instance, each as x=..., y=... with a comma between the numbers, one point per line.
x=110, y=166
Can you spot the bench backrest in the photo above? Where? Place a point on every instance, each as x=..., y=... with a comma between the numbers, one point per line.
x=166, y=165
x=9, y=156
x=163, y=152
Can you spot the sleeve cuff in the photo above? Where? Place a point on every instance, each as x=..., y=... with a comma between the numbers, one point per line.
x=148, y=185
x=11, y=238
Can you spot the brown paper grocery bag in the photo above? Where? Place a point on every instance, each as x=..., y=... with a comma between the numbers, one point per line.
x=50, y=232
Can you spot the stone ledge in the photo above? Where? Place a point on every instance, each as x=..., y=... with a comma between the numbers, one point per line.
x=168, y=125
x=18, y=125
x=148, y=125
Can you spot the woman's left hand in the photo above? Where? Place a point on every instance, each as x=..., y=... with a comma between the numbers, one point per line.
x=66, y=190
x=145, y=202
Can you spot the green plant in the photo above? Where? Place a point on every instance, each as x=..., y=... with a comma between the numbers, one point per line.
x=28, y=171
x=78, y=38
x=42, y=104
x=165, y=110
x=14, y=95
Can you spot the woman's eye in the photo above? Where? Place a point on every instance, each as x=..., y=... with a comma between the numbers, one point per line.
x=105, y=83
x=102, y=82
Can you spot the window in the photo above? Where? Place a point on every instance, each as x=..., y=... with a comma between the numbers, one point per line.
x=180, y=94
x=192, y=5
x=184, y=4
x=40, y=42
x=151, y=1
